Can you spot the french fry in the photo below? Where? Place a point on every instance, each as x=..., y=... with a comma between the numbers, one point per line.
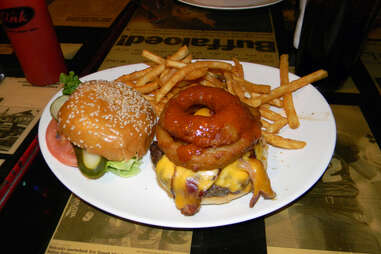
x=181, y=73
x=184, y=83
x=198, y=73
x=270, y=114
x=237, y=68
x=164, y=73
x=175, y=64
x=265, y=124
x=251, y=87
x=211, y=77
x=151, y=75
x=157, y=107
x=229, y=82
x=167, y=74
x=277, y=125
x=205, y=82
x=288, y=104
x=134, y=75
x=165, y=77
x=277, y=102
x=248, y=92
x=282, y=142
x=152, y=57
x=149, y=87
x=278, y=120
x=173, y=92
x=127, y=82
x=150, y=63
x=240, y=91
x=292, y=86
x=180, y=53
x=187, y=59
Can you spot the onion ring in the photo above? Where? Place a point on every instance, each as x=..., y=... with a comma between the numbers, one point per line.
x=205, y=158
x=229, y=120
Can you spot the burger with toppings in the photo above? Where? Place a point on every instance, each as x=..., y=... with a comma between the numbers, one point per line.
x=209, y=150
x=102, y=126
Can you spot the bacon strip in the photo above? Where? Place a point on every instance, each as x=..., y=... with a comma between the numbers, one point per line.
x=186, y=191
x=193, y=196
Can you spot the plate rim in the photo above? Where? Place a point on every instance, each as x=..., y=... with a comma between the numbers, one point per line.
x=186, y=224
x=197, y=3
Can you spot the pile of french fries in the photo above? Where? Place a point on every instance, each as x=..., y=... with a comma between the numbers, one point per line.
x=165, y=77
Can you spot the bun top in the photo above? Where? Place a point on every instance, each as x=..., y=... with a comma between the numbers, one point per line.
x=108, y=118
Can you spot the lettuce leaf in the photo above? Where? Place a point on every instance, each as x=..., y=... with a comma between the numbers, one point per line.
x=70, y=81
x=124, y=168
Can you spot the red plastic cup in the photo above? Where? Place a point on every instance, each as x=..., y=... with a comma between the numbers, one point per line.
x=34, y=40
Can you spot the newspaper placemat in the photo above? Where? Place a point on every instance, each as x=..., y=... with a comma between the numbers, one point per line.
x=86, y=13
x=342, y=211
x=69, y=50
x=246, y=35
x=21, y=105
x=85, y=229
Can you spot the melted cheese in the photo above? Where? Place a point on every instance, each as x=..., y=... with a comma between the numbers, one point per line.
x=233, y=177
x=203, y=112
x=260, y=180
x=187, y=186
x=179, y=187
x=181, y=181
x=206, y=178
x=165, y=170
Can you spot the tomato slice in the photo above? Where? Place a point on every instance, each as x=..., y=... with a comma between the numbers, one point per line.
x=59, y=146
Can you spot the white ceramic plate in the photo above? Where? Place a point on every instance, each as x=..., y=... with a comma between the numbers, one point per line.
x=230, y=5
x=140, y=198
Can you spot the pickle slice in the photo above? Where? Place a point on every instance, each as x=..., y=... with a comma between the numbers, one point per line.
x=91, y=165
x=57, y=104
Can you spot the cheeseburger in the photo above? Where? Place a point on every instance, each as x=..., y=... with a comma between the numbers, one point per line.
x=110, y=125
x=209, y=150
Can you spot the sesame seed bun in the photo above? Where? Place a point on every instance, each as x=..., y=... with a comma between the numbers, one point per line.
x=108, y=118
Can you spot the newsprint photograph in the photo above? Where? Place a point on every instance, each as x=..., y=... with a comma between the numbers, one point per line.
x=15, y=124
x=342, y=212
x=86, y=229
